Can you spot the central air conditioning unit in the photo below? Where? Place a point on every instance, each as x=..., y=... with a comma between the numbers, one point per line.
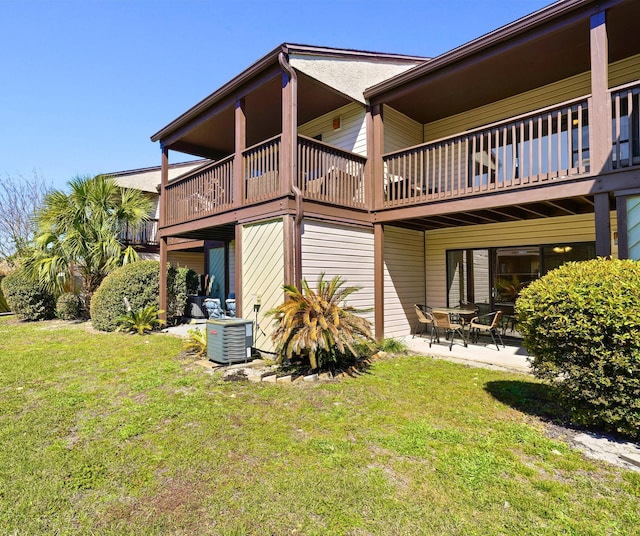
x=229, y=340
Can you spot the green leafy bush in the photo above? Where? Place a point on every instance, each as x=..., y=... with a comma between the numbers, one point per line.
x=138, y=282
x=27, y=299
x=317, y=326
x=140, y=321
x=181, y=282
x=69, y=306
x=581, y=322
x=4, y=306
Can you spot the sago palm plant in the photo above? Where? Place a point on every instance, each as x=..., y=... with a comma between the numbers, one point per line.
x=318, y=324
x=196, y=342
x=140, y=321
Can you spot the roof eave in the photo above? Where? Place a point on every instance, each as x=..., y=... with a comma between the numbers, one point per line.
x=222, y=92
x=486, y=41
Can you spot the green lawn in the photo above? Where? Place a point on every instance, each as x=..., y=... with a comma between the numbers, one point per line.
x=117, y=434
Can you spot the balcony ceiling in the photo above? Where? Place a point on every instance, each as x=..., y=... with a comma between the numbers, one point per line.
x=542, y=55
x=523, y=211
x=213, y=137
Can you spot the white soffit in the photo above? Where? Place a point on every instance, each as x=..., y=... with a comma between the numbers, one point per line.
x=349, y=77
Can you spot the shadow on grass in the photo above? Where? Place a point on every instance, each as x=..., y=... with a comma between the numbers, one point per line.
x=530, y=397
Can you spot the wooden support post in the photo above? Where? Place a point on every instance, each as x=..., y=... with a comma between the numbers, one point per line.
x=289, y=140
x=621, y=216
x=378, y=279
x=289, y=256
x=375, y=150
x=600, y=105
x=603, y=225
x=238, y=160
x=164, y=179
x=163, y=278
x=238, y=254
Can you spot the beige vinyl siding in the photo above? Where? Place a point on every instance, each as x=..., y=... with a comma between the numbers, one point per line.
x=404, y=283
x=400, y=131
x=352, y=136
x=262, y=273
x=624, y=71
x=187, y=259
x=580, y=228
x=573, y=87
x=340, y=250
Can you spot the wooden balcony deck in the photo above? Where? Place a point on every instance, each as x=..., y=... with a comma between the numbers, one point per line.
x=545, y=146
x=325, y=174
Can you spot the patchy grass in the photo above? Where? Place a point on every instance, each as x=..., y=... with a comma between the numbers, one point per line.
x=113, y=434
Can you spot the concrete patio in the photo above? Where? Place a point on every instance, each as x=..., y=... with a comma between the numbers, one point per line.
x=484, y=353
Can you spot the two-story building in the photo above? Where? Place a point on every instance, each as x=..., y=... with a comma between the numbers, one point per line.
x=445, y=180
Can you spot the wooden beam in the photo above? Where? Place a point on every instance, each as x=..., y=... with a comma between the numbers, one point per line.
x=164, y=180
x=378, y=280
x=288, y=143
x=603, y=225
x=376, y=142
x=240, y=146
x=600, y=105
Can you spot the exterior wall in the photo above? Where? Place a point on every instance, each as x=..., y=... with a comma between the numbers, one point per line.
x=404, y=283
x=340, y=250
x=189, y=259
x=262, y=273
x=351, y=137
x=400, y=131
x=576, y=86
x=580, y=228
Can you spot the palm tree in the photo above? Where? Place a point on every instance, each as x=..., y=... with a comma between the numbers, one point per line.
x=79, y=232
x=318, y=324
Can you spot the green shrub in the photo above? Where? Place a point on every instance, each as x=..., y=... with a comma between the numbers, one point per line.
x=581, y=322
x=393, y=346
x=138, y=282
x=69, y=306
x=180, y=283
x=4, y=306
x=27, y=299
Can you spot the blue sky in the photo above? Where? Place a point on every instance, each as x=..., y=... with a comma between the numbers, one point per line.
x=85, y=83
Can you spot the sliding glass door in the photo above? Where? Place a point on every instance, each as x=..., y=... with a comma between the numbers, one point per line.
x=493, y=277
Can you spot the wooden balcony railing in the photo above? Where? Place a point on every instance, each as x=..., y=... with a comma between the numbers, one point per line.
x=204, y=192
x=143, y=235
x=625, y=112
x=261, y=168
x=550, y=144
x=329, y=174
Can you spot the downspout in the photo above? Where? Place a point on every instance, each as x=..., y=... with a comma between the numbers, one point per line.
x=299, y=214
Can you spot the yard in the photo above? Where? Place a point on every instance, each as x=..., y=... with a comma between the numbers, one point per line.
x=119, y=434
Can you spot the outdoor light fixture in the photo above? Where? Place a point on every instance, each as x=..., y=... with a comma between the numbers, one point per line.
x=562, y=249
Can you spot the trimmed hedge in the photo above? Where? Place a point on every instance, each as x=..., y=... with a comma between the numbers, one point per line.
x=69, y=306
x=138, y=282
x=26, y=298
x=582, y=324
